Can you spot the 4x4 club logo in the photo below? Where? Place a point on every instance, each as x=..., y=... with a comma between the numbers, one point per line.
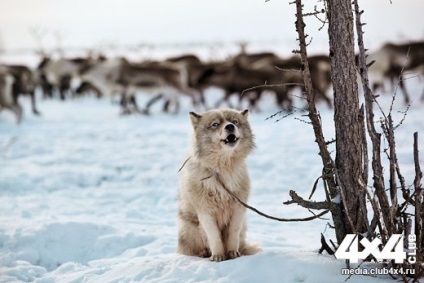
x=392, y=250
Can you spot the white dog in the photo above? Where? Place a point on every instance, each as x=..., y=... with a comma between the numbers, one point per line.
x=211, y=222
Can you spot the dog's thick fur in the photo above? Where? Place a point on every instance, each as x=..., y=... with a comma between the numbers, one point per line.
x=211, y=222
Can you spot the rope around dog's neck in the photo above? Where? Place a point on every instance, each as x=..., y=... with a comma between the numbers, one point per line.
x=260, y=212
x=182, y=166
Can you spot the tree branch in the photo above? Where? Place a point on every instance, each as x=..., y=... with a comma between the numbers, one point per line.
x=307, y=204
x=418, y=209
x=325, y=246
x=374, y=136
x=269, y=86
x=329, y=171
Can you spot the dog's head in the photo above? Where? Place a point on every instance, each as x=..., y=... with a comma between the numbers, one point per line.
x=222, y=131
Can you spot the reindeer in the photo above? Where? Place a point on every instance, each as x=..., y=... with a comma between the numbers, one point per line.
x=166, y=80
x=58, y=74
x=247, y=60
x=25, y=83
x=193, y=68
x=391, y=60
x=319, y=67
x=247, y=72
x=103, y=78
x=22, y=81
x=113, y=76
x=7, y=99
x=235, y=78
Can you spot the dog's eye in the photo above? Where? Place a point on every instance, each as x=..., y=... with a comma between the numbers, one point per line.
x=215, y=125
x=235, y=122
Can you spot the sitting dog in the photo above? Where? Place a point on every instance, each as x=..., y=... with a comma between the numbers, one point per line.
x=211, y=222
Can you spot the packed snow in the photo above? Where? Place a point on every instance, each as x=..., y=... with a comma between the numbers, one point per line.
x=87, y=195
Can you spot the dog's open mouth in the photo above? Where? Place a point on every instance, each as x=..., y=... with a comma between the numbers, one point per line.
x=231, y=140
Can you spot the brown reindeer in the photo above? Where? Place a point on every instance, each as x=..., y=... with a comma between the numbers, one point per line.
x=118, y=76
x=319, y=67
x=7, y=99
x=17, y=80
x=236, y=79
x=392, y=60
x=24, y=83
x=246, y=71
x=164, y=80
x=56, y=75
x=103, y=78
x=194, y=68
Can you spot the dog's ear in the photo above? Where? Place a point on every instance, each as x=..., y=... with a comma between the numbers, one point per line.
x=245, y=113
x=195, y=118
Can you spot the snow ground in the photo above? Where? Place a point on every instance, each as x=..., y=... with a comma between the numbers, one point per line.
x=87, y=195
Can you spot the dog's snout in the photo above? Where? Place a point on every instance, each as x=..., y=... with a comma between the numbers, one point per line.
x=230, y=127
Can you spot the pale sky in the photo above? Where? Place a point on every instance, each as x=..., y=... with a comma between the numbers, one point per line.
x=90, y=23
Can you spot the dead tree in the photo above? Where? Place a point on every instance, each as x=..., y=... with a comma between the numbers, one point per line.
x=346, y=177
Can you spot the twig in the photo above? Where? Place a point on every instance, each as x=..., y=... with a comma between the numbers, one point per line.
x=399, y=80
x=273, y=115
x=288, y=70
x=325, y=21
x=325, y=246
x=364, y=146
x=375, y=137
x=314, y=187
x=307, y=204
x=418, y=209
x=284, y=116
x=376, y=220
x=332, y=243
x=288, y=112
x=330, y=142
x=393, y=161
x=303, y=121
x=303, y=96
x=269, y=86
x=404, y=116
x=413, y=76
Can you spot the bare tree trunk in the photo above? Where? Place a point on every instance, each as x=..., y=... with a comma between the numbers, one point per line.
x=350, y=150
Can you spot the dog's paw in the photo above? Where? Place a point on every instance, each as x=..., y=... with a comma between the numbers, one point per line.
x=217, y=257
x=233, y=254
x=205, y=253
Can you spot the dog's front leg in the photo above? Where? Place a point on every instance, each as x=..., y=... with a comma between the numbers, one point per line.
x=213, y=235
x=234, y=230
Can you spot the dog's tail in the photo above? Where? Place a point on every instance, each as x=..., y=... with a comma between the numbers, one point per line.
x=250, y=249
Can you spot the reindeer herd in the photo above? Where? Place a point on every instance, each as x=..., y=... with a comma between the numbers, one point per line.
x=245, y=76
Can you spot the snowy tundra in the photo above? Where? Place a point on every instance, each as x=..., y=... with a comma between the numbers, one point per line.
x=87, y=195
